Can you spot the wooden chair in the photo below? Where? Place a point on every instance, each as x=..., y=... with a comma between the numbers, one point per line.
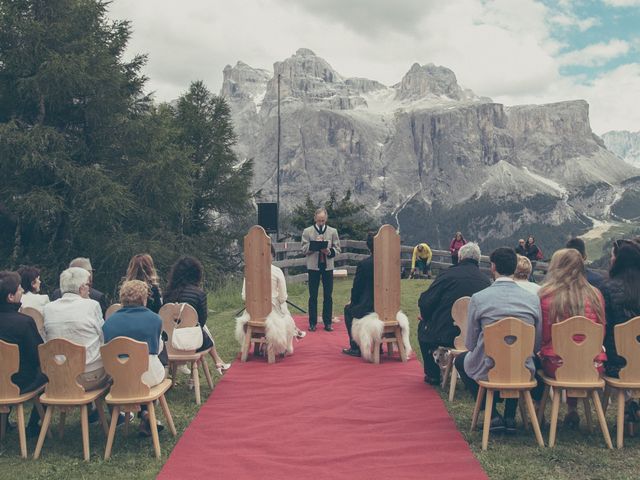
x=10, y=393
x=577, y=376
x=386, y=294
x=111, y=310
x=62, y=361
x=627, y=345
x=509, y=342
x=257, y=274
x=126, y=360
x=183, y=315
x=459, y=313
x=37, y=318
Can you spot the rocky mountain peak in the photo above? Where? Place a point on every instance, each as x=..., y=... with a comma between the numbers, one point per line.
x=429, y=80
x=243, y=82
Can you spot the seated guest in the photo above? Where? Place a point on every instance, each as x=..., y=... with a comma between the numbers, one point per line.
x=523, y=273
x=566, y=293
x=436, y=327
x=621, y=294
x=141, y=267
x=185, y=286
x=521, y=249
x=94, y=294
x=502, y=299
x=30, y=280
x=21, y=330
x=594, y=278
x=361, y=302
x=77, y=318
x=280, y=326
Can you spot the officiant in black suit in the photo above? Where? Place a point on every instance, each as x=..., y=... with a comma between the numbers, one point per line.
x=361, y=302
x=320, y=266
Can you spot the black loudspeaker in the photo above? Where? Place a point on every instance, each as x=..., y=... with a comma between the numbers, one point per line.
x=268, y=217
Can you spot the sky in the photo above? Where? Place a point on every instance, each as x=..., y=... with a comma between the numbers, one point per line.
x=514, y=51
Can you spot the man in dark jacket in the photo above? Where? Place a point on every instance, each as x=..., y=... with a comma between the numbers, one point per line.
x=594, y=278
x=361, y=302
x=20, y=330
x=436, y=327
x=94, y=294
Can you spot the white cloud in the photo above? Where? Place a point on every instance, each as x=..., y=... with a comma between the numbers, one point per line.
x=596, y=54
x=567, y=20
x=622, y=3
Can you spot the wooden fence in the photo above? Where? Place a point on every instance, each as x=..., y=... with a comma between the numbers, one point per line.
x=289, y=256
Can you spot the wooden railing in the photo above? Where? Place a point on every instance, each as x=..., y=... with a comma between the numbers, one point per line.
x=289, y=256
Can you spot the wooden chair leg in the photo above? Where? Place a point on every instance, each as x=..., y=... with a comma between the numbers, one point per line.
x=543, y=404
x=103, y=417
x=4, y=418
x=61, y=422
x=22, y=433
x=207, y=372
x=401, y=349
x=587, y=413
x=127, y=422
x=38, y=405
x=555, y=408
x=488, y=404
x=196, y=381
x=271, y=356
x=167, y=415
x=523, y=414
x=246, y=345
x=112, y=431
x=376, y=352
x=43, y=431
x=620, y=419
x=605, y=398
x=532, y=415
x=601, y=419
x=447, y=371
x=452, y=383
x=476, y=409
x=84, y=422
x=154, y=428
x=173, y=370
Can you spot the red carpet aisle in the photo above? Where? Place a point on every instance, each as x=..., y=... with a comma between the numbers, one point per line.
x=320, y=415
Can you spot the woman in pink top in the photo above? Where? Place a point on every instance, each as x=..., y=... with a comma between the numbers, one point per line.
x=457, y=242
x=564, y=294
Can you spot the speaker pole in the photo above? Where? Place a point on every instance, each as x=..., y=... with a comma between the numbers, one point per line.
x=278, y=170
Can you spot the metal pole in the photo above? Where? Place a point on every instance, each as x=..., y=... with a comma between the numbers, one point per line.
x=278, y=170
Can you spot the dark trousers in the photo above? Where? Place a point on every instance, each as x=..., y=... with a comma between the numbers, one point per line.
x=327, y=292
x=454, y=259
x=348, y=321
x=510, y=404
x=431, y=368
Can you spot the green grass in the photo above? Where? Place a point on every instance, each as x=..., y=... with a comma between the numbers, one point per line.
x=576, y=455
x=617, y=230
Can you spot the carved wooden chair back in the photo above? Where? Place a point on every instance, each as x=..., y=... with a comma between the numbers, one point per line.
x=459, y=312
x=257, y=273
x=577, y=340
x=126, y=360
x=177, y=315
x=509, y=342
x=62, y=361
x=386, y=274
x=37, y=317
x=111, y=310
x=627, y=337
x=10, y=364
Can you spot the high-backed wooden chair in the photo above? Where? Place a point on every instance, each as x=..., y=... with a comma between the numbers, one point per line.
x=10, y=393
x=62, y=361
x=111, y=310
x=183, y=315
x=459, y=314
x=37, y=318
x=509, y=342
x=257, y=274
x=577, y=341
x=126, y=360
x=386, y=294
x=627, y=345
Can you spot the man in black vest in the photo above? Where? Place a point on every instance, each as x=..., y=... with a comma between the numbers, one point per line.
x=361, y=302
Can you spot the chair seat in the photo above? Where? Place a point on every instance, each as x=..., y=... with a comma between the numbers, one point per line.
x=507, y=386
x=455, y=353
x=617, y=383
x=81, y=400
x=187, y=357
x=256, y=324
x=558, y=383
x=154, y=393
x=391, y=324
x=25, y=397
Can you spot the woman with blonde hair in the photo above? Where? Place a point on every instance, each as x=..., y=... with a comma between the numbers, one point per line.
x=522, y=274
x=141, y=267
x=566, y=293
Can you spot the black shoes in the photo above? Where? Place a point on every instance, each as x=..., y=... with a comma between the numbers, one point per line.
x=510, y=425
x=351, y=351
x=328, y=328
x=312, y=328
x=431, y=381
x=497, y=425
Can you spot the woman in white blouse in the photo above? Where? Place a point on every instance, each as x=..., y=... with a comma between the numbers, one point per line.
x=30, y=280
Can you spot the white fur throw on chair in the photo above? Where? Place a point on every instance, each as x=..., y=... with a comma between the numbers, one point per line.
x=368, y=329
x=279, y=331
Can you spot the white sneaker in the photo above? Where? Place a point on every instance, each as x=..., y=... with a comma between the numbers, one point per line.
x=301, y=334
x=184, y=369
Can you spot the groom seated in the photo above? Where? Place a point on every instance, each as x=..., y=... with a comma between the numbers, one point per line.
x=361, y=302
